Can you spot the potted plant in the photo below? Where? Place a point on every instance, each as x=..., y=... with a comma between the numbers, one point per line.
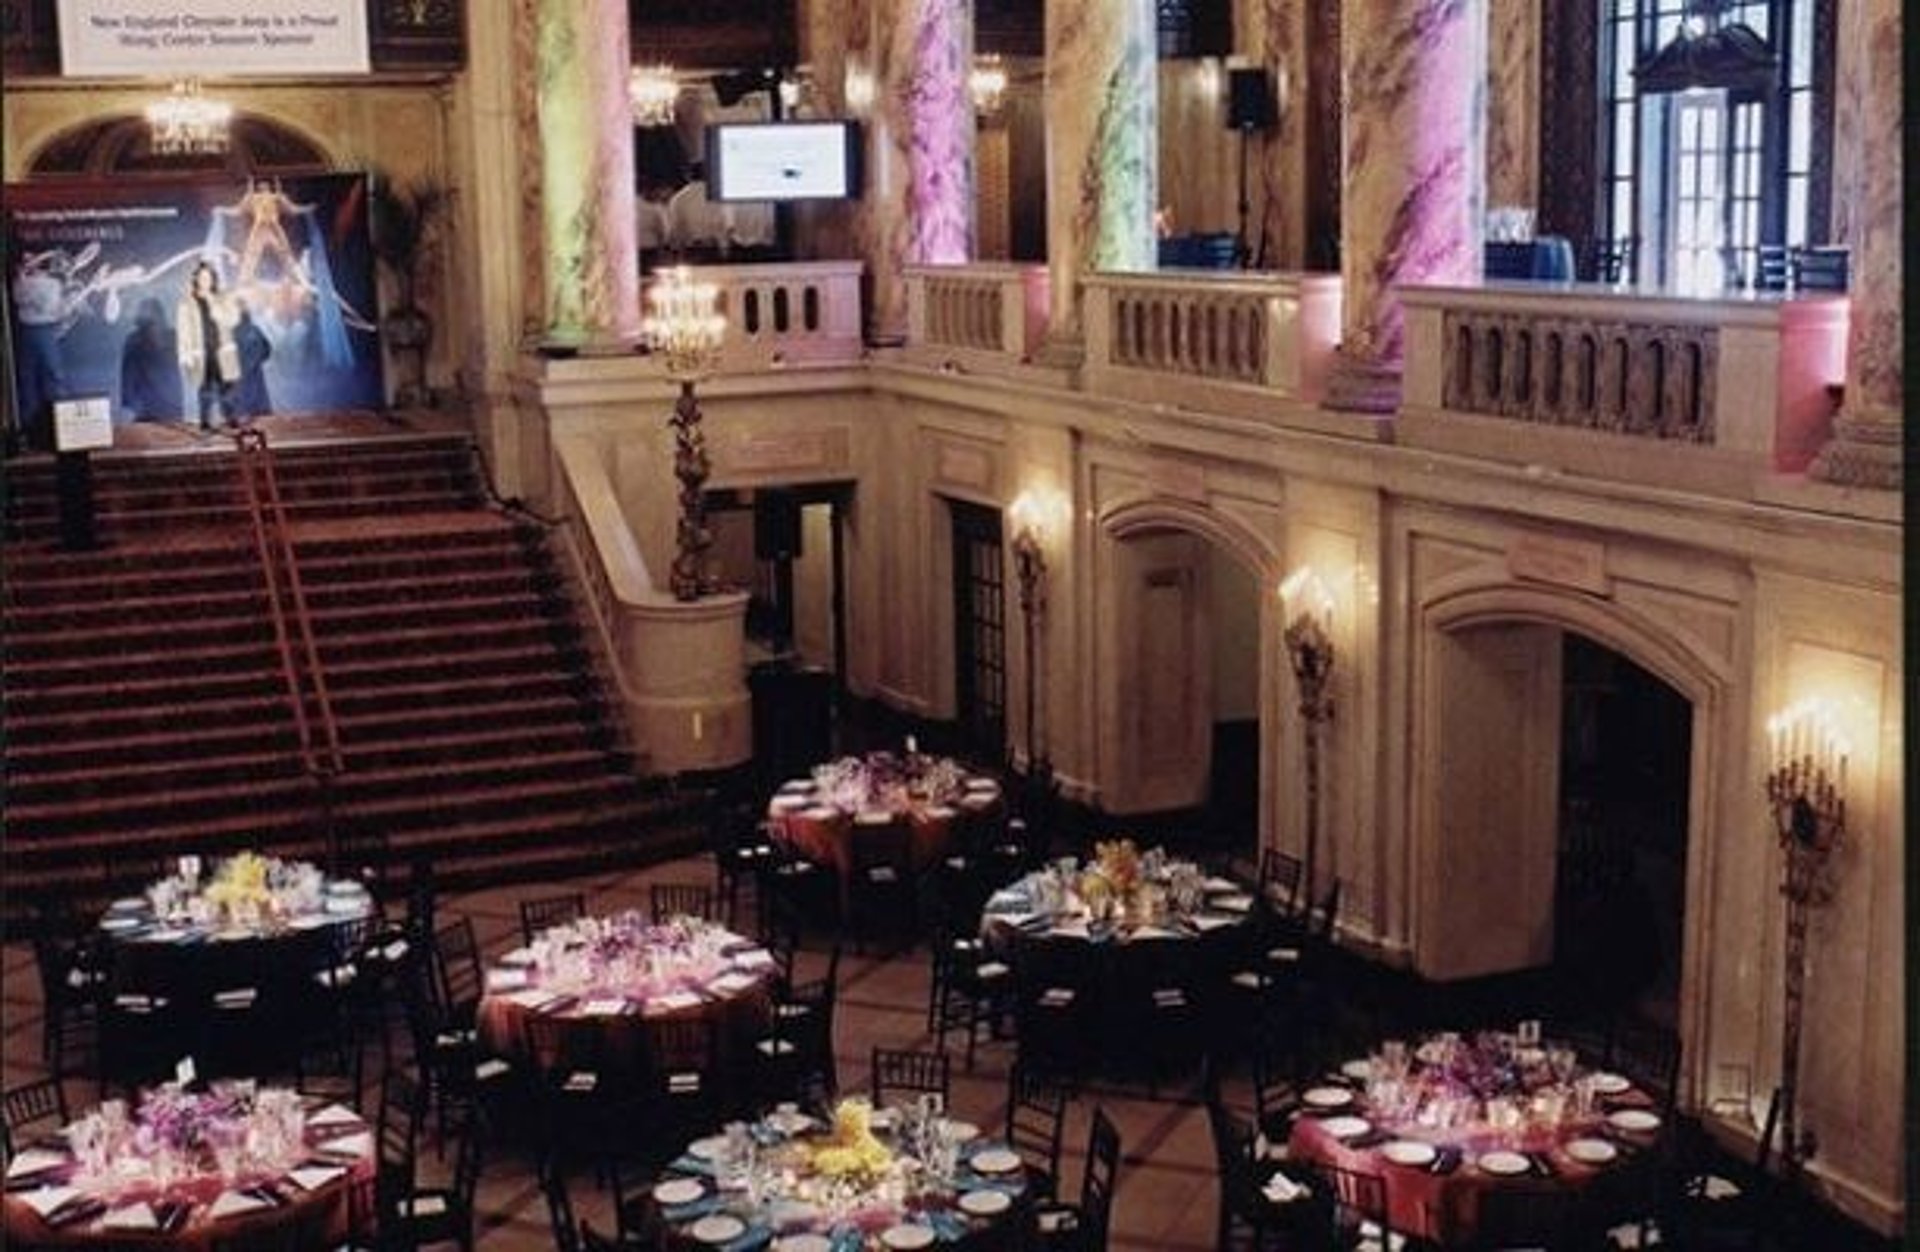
x=406, y=239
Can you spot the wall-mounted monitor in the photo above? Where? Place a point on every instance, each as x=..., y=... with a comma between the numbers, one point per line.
x=762, y=161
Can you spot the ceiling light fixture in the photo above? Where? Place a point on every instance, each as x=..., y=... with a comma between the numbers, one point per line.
x=186, y=123
x=653, y=92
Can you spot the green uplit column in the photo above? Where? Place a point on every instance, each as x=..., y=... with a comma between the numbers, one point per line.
x=590, y=279
x=1102, y=150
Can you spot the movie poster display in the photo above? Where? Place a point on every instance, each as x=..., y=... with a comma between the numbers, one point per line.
x=205, y=302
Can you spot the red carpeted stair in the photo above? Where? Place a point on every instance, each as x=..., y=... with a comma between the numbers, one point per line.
x=146, y=715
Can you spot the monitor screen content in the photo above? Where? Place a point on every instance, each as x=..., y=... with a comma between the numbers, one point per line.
x=782, y=161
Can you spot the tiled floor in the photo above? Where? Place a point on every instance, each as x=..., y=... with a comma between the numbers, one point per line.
x=1166, y=1195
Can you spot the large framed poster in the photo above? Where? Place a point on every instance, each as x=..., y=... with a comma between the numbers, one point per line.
x=192, y=301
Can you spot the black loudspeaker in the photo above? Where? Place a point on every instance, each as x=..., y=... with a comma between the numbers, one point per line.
x=776, y=526
x=1249, y=100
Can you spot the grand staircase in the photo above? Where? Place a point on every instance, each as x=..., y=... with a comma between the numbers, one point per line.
x=146, y=712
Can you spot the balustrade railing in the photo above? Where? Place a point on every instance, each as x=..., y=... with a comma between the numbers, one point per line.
x=979, y=310
x=790, y=313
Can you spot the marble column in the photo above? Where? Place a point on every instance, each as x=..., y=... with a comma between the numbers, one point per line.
x=1102, y=148
x=1866, y=447
x=836, y=38
x=1513, y=103
x=1272, y=35
x=589, y=275
x=920, y=170
x=1415, y=80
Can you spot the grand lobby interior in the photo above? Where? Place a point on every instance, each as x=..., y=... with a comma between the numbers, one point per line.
x=1306, y=591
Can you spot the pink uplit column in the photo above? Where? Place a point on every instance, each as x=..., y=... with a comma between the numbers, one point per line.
x=1102, y=105
x=591, y=269
x=920, y=184
x=1415, y=74
x=1866, y=446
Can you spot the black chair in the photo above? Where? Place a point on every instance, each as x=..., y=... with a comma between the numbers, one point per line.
x=445, y=1045
x=572, y=1234
x=396, y=1140
x=1083, y=1227
x=681, y=899
x=422, y=1216
x=42, y=1102
x=299, y=1232
x=1280, y=882
x=796, y=1059
x=881, y=893
x=1359, y=1204
x=1723, y=1202
x=1279, y=1065
x=459, y=980
x=361, y=853
x=546, y=912
x=1036, y=1117
x=969, y=987
x=1540, y=1219
x=1649, y=1054
x=901, y=1071
x=575, y=1099
x=1056, y=991
x=681, y=1099
x=72, y=976
x=1247, y=1218
x=1154, y=1007
x=740, y=842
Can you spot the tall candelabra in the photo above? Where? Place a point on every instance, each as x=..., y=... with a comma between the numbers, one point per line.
x=1030, y=575
x=1309, y=641
x=685, y=330
x=1806, y=790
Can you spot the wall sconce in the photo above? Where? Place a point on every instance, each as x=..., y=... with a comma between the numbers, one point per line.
x=687, y=331
x=1309, y=639
x=859, y=89
x=186, y=123
x=653, y=92
x=988, y=85
x=1806, y=792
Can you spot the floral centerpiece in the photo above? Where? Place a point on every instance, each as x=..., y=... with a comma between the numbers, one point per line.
x=850, y=1148
x=241, y=887
x=1114, y=877
x=885, y=780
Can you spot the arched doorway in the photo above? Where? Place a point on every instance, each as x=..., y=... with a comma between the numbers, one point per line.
x=1186, y=711
x=1529, y=799
x=117, y=147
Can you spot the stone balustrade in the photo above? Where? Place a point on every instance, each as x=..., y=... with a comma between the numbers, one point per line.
x=1748, y=380
x=790, y=313
x=978, y=315
x=1227, y=343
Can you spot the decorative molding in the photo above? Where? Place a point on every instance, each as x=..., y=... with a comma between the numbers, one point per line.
x=1580, y=564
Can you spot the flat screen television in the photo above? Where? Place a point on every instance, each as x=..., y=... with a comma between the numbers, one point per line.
x=761, y=161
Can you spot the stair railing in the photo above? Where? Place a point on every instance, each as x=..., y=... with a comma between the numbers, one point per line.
x=319, y=733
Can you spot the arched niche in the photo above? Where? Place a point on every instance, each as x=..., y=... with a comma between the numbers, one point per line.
x=116, y=146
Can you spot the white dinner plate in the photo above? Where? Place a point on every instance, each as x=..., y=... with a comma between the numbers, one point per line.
x=1328, y=1097
x=122, y=923
x=1346, y=1127
x=1591, y=1151
x=718, y=1228
x=907, y=1235
x=1359, y=1069
x=1409, y=1152
x=1634, y=1120
x=708, y=1148
x=961, y=1132
x=985, y=1202
x=128, y=904
x=1505, y=1164
x=679, y=1191
x=996, y=1161
x=806, y=1241
x=1610, y=1084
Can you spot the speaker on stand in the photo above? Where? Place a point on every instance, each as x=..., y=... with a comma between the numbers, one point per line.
x=1249, y=108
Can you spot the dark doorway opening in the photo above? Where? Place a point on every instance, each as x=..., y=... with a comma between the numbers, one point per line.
x=979, y=629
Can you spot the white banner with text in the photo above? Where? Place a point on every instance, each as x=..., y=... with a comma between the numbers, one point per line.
x=179, y=38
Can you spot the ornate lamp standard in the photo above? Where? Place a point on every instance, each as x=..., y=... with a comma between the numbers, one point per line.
x=1030, y=518
x=1309, y=641
x=686, y=331
x=1806, y=786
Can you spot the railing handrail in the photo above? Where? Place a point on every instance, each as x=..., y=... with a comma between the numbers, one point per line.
x=267, y=512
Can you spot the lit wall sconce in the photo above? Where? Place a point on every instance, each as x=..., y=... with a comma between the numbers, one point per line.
x=653, y=93
x=860, y=89
x=988, y=85
x=186, y=123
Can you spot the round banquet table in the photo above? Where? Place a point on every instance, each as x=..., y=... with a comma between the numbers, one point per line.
x=792, y=1213
x=822, y=828
x=129, y=1208
x=1204, y=935
x=181, y=957
x=1439, y=1199
x=602, y=1020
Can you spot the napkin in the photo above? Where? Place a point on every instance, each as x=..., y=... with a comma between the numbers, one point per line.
x=352, y=1145
x=314, y=1177
x=334, y=1115
x=1282, y=1189
x=678, y=1000
x=1217, y=884
x=532, y=1000
x=232, y=1202
x=1212, y=921
x=45, y=1200
x=506, y=979
x=727, y=984
x=1719, y=1188
x=132, y=1217
x=1233, y=903
x=1073, y=929
x=519, y=956
x=34, y=1161
x=603, y=1008
x=753, y=958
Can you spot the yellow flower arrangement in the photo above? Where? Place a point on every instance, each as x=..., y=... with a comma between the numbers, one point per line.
x=850, y=1147
x=241, y=885
x=1119, y=863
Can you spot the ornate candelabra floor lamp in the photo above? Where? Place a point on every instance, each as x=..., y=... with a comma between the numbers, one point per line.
x=1806, y=789
x=1309, y=641
x=1030, y=576
x=684, y=329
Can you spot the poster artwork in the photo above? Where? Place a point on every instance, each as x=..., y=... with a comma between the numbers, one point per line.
x=209, y=302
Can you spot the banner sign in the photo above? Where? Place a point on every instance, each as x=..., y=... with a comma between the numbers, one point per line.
x=201, y=301
x=176, y=38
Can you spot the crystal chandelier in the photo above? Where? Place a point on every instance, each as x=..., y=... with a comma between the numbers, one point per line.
x=186, y=123
x=988, y=85
x=652, y=91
